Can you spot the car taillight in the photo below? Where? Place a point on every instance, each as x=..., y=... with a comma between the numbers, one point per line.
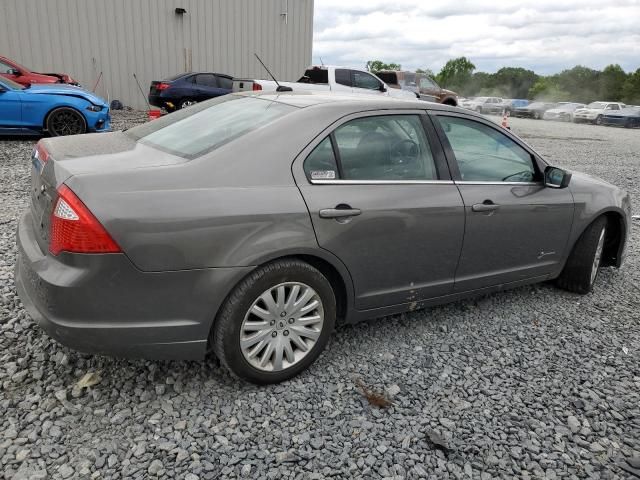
x=40, y=153
x=75, y=229
x=256, y=86
x=162, y=86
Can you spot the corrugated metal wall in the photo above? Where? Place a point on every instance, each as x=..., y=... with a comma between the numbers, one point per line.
x=146, y=37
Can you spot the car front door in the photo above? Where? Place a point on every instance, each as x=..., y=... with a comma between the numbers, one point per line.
x=516, y=228
x=10, y=107
x=381, y=200
x=366, y=83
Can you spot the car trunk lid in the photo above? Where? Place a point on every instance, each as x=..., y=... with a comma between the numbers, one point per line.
x=56, y=160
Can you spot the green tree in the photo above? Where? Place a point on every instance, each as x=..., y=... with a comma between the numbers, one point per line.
x=612, y=83
x=548, y=89
x=514, y=82
x=378, y=65
x=425, y=71
x=581, y=82
x=631, y=89
x=456, y=73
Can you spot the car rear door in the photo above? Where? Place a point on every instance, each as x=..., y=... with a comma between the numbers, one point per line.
x=516, y=228
x=207, y=87
x=381, y=200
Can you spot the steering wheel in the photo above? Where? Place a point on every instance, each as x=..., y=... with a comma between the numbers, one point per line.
x=405, y=151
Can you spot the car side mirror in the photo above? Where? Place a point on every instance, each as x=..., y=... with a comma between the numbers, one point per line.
x=556, y=177
x=383, y=88
x=13, y=71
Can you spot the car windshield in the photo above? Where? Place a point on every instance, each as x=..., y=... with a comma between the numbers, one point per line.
x=536, y=105
x=206, y=126
x=481, y=99
x=10, y=84
x=597, y=105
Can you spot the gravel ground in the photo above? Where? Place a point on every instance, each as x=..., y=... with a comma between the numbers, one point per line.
x=531, y=383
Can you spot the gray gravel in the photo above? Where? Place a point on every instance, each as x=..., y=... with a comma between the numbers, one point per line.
x=530, y=383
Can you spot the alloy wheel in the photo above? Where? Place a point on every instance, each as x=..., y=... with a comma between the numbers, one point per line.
x=281, y=327
x=187, y=103
x=66, y=122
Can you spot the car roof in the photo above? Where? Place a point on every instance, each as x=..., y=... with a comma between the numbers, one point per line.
x=309, y=98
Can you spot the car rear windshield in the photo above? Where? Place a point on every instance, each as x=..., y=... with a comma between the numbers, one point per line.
x=201, y=128
x=315, y=75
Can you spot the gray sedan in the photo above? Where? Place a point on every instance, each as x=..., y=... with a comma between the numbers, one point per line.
x=252, y=225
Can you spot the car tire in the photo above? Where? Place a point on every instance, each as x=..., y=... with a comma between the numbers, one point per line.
x=65, y=121
x=536, y=115
x=288, y=340
x=628, y=123
x=581, y=270
x=598, y=120
x=187, y=102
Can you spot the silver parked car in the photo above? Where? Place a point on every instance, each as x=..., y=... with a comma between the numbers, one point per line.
x=254, y=224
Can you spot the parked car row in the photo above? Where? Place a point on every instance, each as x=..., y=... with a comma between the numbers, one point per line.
x=598, y=113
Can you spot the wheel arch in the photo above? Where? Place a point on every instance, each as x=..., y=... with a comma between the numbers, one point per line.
x=615, y=236
x=331, y=267
x=56, y=107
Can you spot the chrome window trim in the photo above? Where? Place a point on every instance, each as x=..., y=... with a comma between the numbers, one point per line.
x=471, y=182
x=382, y=182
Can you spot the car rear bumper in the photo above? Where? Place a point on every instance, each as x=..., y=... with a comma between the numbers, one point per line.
x=104, y=304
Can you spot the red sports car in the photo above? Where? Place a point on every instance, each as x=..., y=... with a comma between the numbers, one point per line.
x=22, y=75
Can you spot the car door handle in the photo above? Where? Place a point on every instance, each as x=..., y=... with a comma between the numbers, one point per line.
x=339, y=212
x=485, y=207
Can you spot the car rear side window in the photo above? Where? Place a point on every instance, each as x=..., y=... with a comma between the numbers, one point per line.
x=321, y=163
x=225, y=82
x=206, y=126
x=206, y=80
x=484, y=154
x=343, y=77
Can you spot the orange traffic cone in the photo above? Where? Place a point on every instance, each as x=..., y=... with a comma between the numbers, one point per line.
x=505, y=117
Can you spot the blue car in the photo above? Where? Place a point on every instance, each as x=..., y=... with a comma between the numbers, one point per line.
x=185, y=89
x=628, y=117
x=56, y=109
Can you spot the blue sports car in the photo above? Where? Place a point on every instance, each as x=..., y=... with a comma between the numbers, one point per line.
x=56, y=109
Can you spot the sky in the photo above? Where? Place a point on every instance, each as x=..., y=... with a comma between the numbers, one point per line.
x=546, y=36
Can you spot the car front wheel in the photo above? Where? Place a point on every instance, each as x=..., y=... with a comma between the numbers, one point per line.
x=581, y=270
x=65, y=121
x=275, y=323
x=598, y=120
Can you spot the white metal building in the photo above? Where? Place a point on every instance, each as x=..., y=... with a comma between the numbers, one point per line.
x=155, y=39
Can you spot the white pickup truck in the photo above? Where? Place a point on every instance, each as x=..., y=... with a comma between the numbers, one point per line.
x=328, y=78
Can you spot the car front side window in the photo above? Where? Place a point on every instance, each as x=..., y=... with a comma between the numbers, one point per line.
x=484, y=154
x=364, y=80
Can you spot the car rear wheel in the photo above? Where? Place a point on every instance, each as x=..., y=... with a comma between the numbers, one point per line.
x=581, y=269
x=275, y=323
x=65, y=121
x=187, y=102
x=598, y=120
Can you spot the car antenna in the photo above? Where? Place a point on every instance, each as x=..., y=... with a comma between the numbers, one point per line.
x=281, y=88
x=321, y=62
